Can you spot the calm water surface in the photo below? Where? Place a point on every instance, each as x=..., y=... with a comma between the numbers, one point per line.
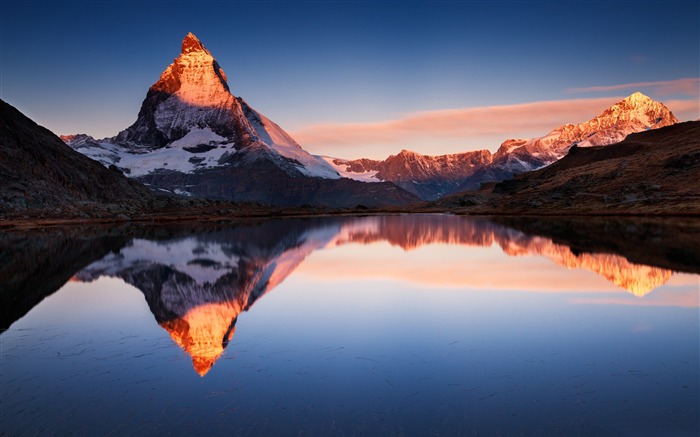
x=394, y=325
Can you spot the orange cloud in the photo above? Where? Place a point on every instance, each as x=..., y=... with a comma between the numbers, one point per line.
x=684, y=110
x=523, y=120
x=689, y=86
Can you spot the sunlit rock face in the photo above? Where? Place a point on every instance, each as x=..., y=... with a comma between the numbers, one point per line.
x=429, y=177
x=635, y=113
x=204, y=332
x=197, y=287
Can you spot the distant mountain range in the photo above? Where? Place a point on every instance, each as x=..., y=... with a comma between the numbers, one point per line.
x=432, y=177
x=193, y=137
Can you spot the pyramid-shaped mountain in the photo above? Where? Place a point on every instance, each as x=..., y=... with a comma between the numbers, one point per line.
x=194, y=137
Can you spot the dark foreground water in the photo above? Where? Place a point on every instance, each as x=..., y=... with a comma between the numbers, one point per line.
x=398, y=325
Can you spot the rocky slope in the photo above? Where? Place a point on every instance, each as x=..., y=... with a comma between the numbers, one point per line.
x=653, y=172
x=431, y=177
x=193, y=137
x=38, y=172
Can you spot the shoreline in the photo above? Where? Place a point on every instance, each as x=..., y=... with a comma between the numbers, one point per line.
x=205, y=216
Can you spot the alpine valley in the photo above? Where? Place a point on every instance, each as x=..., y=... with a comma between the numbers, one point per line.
x=193, y=137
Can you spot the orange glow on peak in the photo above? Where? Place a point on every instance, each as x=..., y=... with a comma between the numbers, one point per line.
x=204, y=332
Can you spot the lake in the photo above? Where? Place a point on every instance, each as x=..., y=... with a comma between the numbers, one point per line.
x=411, y=325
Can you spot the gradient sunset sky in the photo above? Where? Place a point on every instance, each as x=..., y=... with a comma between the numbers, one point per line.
x=359, y=79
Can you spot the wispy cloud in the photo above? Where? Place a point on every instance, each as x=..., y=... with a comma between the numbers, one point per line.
x=684, y=109
x=689, y=86
x=504, y=121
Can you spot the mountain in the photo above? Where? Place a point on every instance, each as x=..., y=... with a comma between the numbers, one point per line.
x=39, y=174
x=193, y=137
x=636, y=113
x=431, y=177
x=652, y=172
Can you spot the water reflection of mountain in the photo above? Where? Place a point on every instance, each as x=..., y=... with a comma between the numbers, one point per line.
x=671, y=243
x=34, y=264
x=410, y=232
x=197, y=286
x=197, y=281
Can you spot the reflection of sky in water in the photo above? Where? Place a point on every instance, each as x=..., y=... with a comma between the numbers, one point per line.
x=372, y=339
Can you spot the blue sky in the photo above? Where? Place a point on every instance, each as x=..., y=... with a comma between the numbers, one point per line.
x=320, y=69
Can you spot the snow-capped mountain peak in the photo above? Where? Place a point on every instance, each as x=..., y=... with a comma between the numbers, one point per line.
x=639, y=107
x=192, y=92
x=635, y=113
x=637, y=98
x=190, y=122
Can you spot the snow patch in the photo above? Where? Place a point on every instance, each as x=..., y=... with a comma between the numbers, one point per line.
x=173, y=157
x=198, y=136
x=342, y=169
x=280, y=141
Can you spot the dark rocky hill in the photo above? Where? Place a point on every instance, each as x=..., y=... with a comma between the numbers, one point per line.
x=38, y=171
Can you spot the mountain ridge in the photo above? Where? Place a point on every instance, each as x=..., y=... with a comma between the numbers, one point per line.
x=431, y=177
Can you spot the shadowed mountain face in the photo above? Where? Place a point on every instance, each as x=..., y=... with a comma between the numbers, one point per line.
x=198, y=281
x=39, y=172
